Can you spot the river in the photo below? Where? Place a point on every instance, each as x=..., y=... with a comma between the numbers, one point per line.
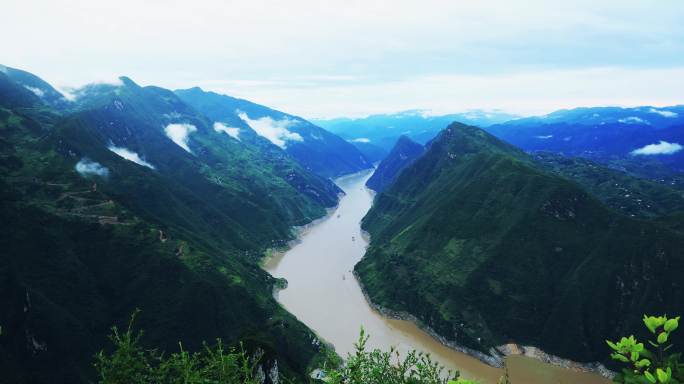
x=323, y=293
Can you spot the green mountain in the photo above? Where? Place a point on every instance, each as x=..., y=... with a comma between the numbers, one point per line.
x=405, y=152
x=315, y=148
x=486, y=247
x=620, y=191
x=129, y=198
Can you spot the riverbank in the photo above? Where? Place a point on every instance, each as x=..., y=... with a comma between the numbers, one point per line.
x=497, y=356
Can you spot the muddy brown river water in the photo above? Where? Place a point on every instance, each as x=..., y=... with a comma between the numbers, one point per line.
x=323, y=293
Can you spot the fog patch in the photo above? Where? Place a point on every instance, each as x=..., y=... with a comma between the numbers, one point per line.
x=36, y=91
x=179, y=134
x=69, y=93
x=87, y=167
x=230, y=131
x=633, y=120
x=274, y=130
x=662, y=148
x=664, y=113
x=129, y=155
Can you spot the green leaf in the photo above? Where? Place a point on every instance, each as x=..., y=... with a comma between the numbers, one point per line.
x=619, y=357
x=672, y=324
x=662, y=338
x=643, y=363
x=652, y=322
x=662, y=375
x=650, y=377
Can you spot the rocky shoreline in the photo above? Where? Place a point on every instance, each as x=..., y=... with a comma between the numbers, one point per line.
x=494, y=361
x=496, y=357
x=536, y=353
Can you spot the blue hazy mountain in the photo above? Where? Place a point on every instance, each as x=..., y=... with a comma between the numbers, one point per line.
x=383, y=130
x=405, y=152
x=315, y=148
x=646, y=139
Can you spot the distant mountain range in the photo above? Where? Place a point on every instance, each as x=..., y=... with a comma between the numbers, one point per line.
x=488, y=245
x=380, y=132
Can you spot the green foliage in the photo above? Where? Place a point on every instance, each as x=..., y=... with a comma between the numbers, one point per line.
x=388, y=367
x=129, y=363
x=649, y=366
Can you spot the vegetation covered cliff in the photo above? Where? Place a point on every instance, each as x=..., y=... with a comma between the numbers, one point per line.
x=486, y=247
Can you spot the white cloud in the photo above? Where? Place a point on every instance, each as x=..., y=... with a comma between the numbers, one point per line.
x=129, y=155
x=634, y=120
x=545, y=91
x=69, y=93
x=543, y=137
x=230, y=131
x=179, y=134
x=324, y=74
x=662, y=148
x=274, y=130
x=664, y=113
x=87, y=167
x=36, y=91
x=361, y=140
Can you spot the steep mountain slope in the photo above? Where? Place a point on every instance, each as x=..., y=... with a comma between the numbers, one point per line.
x=402, y=155
x=630, y=195
x=241, y=187
x=133, y=201
x=315, y=148
x=643, y=140
x=384, y=130
x=486, y=248
x=43, y=91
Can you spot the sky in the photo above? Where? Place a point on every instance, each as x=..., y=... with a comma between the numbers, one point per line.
x=322, y=59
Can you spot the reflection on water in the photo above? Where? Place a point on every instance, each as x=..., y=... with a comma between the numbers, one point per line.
x=323, y=293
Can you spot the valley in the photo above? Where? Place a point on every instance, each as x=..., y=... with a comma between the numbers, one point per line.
x=323, y=293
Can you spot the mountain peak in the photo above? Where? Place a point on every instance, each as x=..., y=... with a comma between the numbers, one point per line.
x=460, y=139
x=404, y=139
x=127, y=81
x=403, y=154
